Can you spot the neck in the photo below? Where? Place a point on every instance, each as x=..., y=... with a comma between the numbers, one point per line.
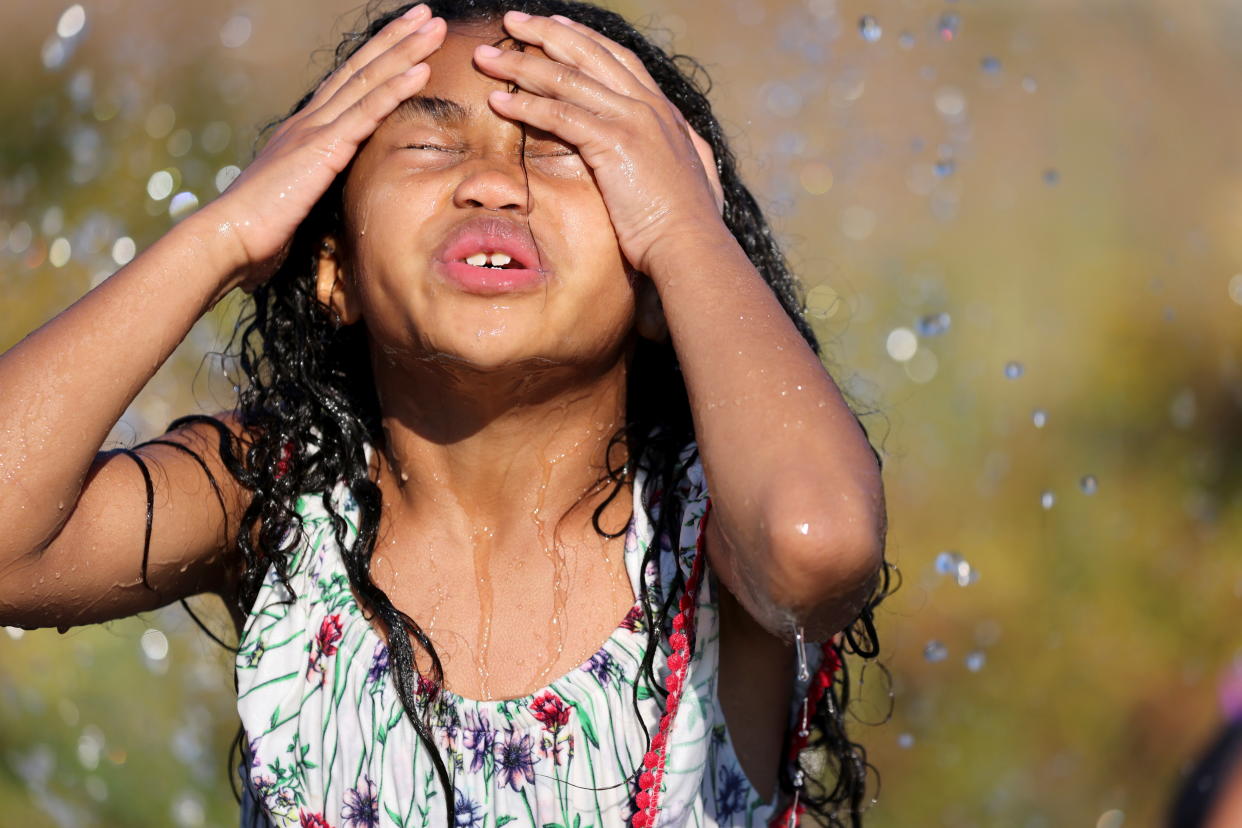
x=504, y=452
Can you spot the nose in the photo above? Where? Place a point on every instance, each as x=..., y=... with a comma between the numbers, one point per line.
x=493, y=186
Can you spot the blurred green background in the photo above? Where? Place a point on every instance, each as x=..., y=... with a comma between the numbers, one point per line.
x=1020, y=226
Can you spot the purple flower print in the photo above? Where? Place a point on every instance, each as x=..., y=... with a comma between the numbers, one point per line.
x=515, y=760
x=731, y=793
x=361, y=806
x=466, y=814
x=602, y=666
x=379, y=663
x=478, y=736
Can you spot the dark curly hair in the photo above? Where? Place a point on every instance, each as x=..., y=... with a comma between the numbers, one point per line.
x=308, y=380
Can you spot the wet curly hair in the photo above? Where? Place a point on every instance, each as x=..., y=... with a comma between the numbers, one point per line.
x=307, y=380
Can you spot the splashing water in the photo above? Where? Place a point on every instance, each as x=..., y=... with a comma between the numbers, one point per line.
x=869, y=28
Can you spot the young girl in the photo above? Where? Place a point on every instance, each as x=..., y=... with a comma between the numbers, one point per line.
x=526, y=373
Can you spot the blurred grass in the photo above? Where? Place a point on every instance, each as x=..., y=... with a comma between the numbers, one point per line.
x=1105, y=621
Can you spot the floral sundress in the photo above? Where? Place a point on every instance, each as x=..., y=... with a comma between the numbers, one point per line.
x=329, y=745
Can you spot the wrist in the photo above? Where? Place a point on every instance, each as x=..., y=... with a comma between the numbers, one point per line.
x=219, y=253
x=690, y=247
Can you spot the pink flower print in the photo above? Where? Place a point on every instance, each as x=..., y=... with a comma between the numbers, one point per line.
x=550, y=710
x=324, y=645
x=313, y=821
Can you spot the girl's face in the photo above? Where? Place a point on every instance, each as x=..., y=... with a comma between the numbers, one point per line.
x=442, y=181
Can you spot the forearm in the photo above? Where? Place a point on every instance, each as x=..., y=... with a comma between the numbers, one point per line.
x=794, y=482
x=67, y=383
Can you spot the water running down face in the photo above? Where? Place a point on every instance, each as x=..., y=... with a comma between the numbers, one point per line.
x=452, y=250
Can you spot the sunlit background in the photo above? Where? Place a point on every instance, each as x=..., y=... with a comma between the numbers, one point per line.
x=1020, y=229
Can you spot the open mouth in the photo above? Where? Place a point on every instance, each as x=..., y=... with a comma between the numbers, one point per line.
x=493, y=261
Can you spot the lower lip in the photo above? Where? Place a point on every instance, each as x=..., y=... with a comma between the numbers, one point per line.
x=487, y=281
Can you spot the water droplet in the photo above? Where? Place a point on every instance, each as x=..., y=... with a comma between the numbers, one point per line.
x=1088, y=484
x=1029, y=84
x=935, y=651
x=182, y=204
x=946, y=562
x=1013, y=370
x=869, y=28
x=236, y=31
x=949, y=26
x=1051, y=177
x=60, y=506
x=123, y=250
x=71, y=21
x=975, y=661
x=906, y=40
x=1039, y=417
x=160, y=185
x=990, y=65
x=804, y=672
x=905, y=741
x=944, y=167
x=901, y=344
x=1111, y=819
x=1047, y=499
x=154, y=645
x=60, y=251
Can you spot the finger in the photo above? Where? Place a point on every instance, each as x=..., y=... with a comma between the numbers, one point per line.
x=403, y=55
x=619, y=53
x=356, y=123
x=384, y=39
x=552, y=80
x=566, y=45
x=564, y=120
x=638, y=70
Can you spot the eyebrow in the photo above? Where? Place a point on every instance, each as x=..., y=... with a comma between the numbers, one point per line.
x=440, y=110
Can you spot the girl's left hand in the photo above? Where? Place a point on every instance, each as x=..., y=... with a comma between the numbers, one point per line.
x=657, y=176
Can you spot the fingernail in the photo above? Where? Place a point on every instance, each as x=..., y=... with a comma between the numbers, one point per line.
x=487, y=50
x=500, y=95
x=560, y=18
x=415, y=11
x=426, y=27
x=517, y=15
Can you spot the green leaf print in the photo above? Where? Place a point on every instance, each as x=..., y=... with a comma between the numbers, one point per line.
x=588, y=729
x=504, y=820
x=395, y=817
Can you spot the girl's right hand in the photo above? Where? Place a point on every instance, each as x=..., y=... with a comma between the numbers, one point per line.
x=261, y=210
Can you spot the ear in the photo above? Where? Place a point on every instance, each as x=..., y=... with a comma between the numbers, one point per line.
x=649, y=318
x=333, y=287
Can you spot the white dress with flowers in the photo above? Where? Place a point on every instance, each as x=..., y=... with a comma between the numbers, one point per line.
x=328, y=743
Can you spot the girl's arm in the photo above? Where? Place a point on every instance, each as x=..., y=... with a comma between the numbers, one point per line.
x=798, y=518
x=75, y=520
x=797, y=523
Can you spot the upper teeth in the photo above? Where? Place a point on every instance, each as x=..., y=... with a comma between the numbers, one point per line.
x=483, y=259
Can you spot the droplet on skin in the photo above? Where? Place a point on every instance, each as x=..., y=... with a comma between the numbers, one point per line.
x=905, y=741
x=1088, y=484
x=1047, y=499
x=935, y=651
x=1039, y=417
x=1013, y=370
x=975, y=661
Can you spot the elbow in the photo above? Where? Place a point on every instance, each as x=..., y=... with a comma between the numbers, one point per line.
x=826, y=564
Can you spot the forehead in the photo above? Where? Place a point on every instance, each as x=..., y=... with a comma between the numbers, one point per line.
x=453, y=73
